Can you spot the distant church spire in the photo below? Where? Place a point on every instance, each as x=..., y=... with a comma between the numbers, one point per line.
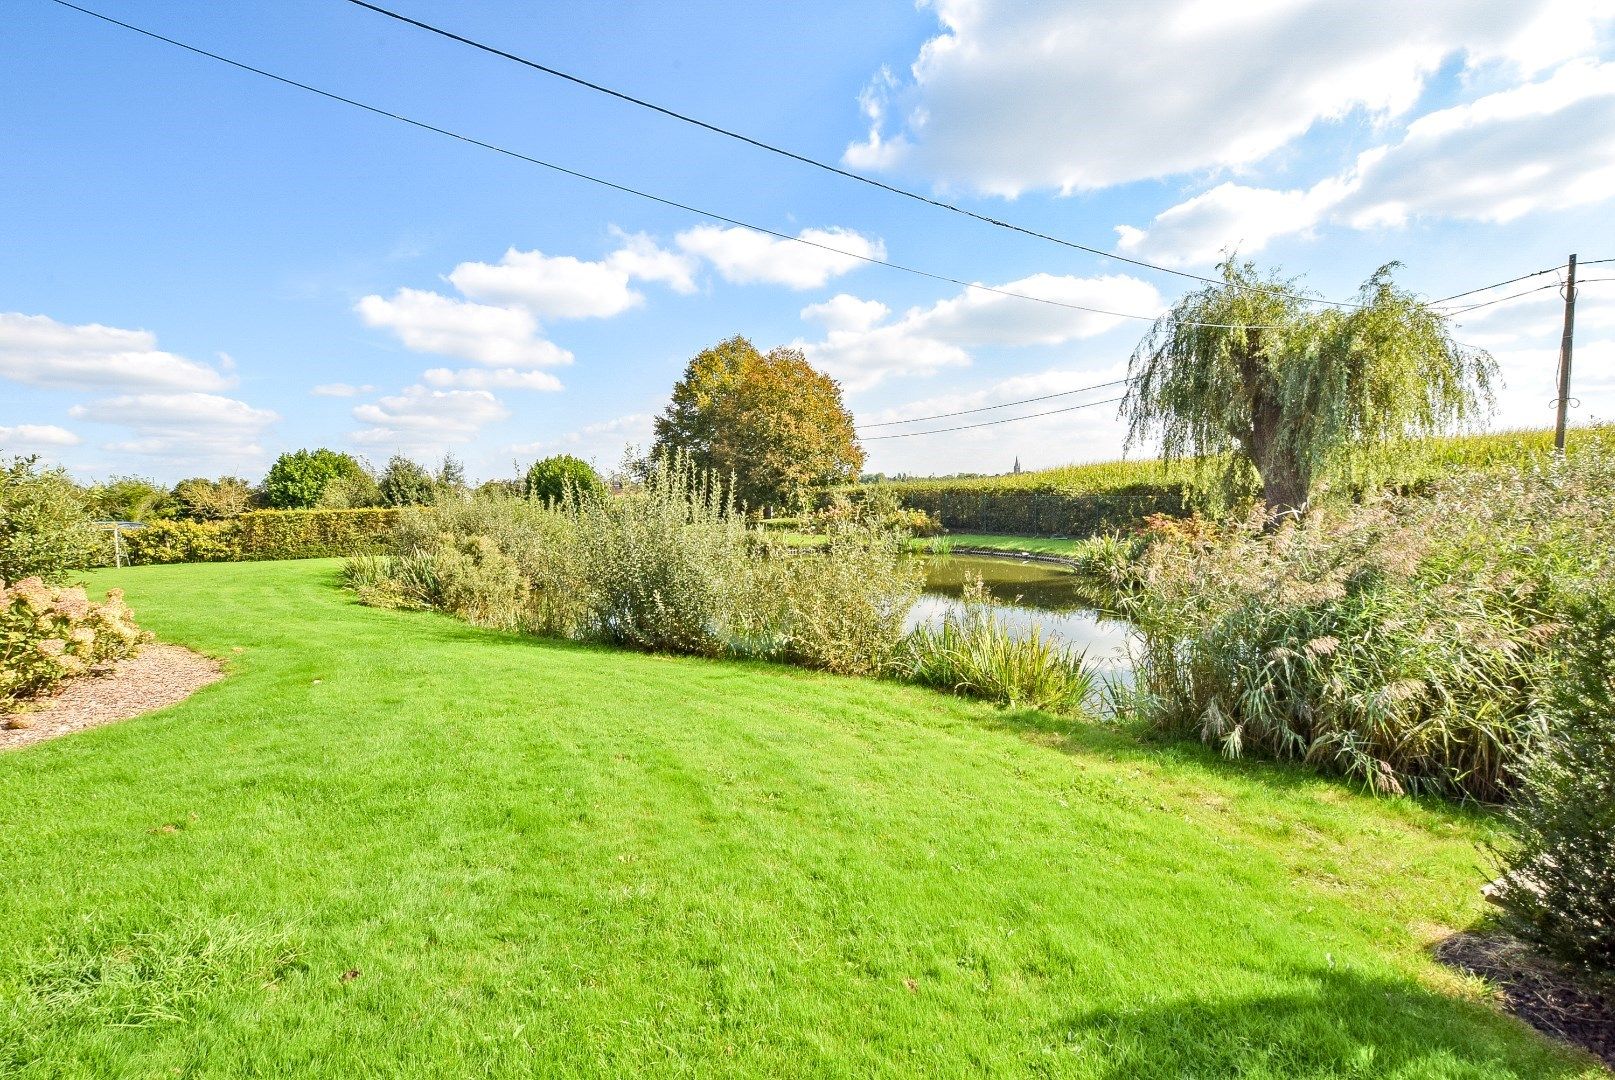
x=1017, y=464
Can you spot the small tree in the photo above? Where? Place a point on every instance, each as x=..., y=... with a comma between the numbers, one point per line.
x=404, y=483
x=1247, y=374
x=768, y=419
x=548, y=479
x=451, y=474
x=201, y=499
x=298, y=479
x=131, y=498
x=45, y=529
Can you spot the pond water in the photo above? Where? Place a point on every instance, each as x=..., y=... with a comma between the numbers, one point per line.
x=1026, y=593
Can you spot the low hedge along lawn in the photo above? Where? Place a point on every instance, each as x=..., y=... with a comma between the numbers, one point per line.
x=262, y=535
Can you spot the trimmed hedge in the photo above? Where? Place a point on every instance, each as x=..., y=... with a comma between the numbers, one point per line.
x=263, y=534
x=974, y=507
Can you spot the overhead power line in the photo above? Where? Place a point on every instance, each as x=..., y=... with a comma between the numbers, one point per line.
x=1498, y=284
x=990, y=408
x=625, y=189
x=804, y=159
x=1499, y=300
x=991, y=423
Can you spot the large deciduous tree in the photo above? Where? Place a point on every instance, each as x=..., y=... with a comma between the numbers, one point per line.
x=768, y=419
x=1252, y=372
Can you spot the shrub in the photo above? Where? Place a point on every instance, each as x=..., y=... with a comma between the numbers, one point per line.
x=182, y=541
x=974, y=654
x=45, y=530
x=661, y=563
x=297, y=480
x=549, y=479
x=357, y=491
x=49, y=634
x=880, y=510
x=842, y=608
x=1559, y=877
x=201, y=499
x=404, y=483
x=131, y=498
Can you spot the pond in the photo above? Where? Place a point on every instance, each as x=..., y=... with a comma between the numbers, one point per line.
x=1026, y=593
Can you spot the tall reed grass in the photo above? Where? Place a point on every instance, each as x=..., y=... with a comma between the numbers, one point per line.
x=1403, y=642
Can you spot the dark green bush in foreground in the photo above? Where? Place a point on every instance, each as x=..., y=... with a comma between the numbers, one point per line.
x=1559, y=881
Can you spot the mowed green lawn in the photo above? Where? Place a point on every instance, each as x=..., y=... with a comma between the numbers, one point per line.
x=394, y=845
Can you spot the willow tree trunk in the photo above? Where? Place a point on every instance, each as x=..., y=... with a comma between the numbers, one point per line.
x=1286, y=482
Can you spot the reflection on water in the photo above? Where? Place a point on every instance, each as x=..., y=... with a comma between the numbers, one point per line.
x=1025, y=594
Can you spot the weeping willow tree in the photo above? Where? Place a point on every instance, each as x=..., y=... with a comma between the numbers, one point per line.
x=1249, y=375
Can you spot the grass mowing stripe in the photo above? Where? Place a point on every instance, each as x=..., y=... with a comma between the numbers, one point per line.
x=550, y=859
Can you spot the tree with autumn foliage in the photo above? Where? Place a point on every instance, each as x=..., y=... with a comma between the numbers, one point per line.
x=767, y=419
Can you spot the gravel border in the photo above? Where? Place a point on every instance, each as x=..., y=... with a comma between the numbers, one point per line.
x=159, y=676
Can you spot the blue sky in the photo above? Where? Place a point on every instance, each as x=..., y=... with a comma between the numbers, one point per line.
x=204, y=268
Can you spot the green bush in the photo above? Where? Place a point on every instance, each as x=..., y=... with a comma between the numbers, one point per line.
x=131, y=498
x=49, y=634
x=405, y=483
x=45, y=530
x=1559, y=876
x=841, y=608
x=201, y=499
x=181, y=542
x=549, y=479
x=297, y=480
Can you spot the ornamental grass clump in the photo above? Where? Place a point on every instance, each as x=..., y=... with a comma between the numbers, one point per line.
x=1402, y=642
x=973, y=653
x=49, y=634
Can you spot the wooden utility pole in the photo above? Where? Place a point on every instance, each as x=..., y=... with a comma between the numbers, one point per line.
x=1565, y=344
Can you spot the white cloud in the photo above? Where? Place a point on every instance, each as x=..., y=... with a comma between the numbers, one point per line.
x=1228, y=217
x=554, y=287
x=1543, y=146
x=743, y=256
x=496, y=379
x=482, y=333
x=339, y=389
x=1014, y=96
x=564, y=287
x=862, y=350
x=26, y=437
x=642, y=258
x=205, y=429
x=1548, y=145
x=39, y=351
x=420, y=418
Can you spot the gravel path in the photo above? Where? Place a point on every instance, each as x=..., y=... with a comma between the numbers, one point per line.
x=161, y=675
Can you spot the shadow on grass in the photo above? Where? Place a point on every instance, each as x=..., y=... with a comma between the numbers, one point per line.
x=1339, y=1023
x=1079, y=736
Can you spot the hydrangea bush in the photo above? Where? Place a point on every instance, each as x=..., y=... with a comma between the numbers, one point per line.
x=51, y=633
